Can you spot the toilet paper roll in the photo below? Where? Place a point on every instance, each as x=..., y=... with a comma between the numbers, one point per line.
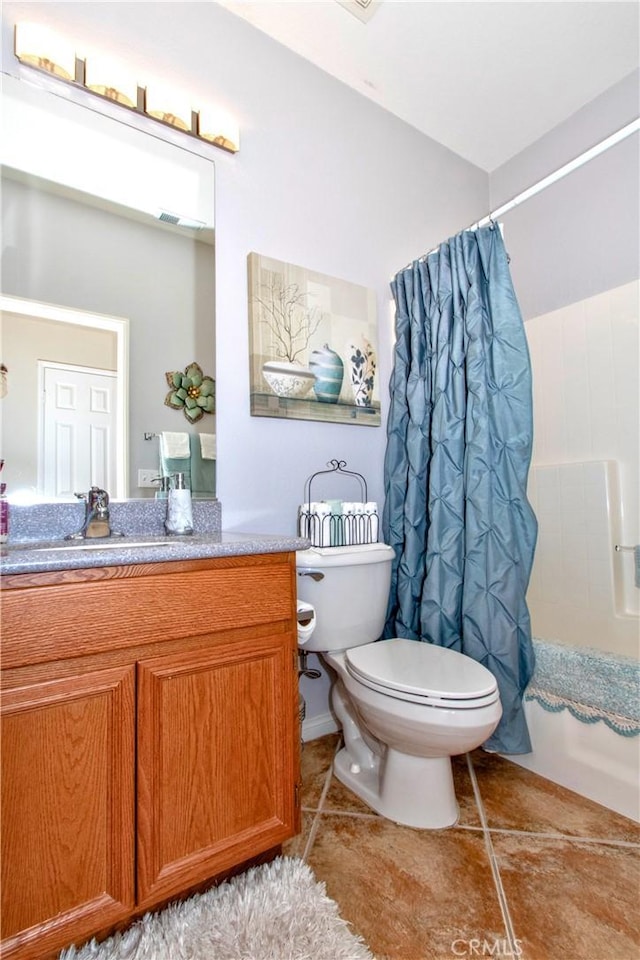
x=306, y=616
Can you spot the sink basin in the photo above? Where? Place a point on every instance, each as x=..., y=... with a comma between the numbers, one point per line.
x=109, y=545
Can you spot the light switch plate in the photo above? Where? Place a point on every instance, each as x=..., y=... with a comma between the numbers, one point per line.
x=145, y=478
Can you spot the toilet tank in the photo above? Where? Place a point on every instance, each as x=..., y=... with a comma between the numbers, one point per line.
x=349, y=590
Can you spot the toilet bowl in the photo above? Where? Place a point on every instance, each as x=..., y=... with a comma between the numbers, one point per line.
x=405, y=707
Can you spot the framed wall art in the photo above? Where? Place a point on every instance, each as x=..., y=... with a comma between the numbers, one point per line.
x=313, y=345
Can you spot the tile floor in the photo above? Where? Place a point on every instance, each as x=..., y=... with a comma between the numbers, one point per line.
x=531, y=870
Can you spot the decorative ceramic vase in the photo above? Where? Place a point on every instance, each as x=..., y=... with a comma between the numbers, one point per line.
x=329, y=371
x=290, y=380
x=361, y=363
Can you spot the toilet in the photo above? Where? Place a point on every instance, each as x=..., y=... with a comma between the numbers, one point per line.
x=405, y=707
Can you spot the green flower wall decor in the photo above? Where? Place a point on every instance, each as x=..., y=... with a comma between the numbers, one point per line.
x=192, y=392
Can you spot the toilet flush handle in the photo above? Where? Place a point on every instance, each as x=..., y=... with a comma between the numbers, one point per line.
x=314, y=574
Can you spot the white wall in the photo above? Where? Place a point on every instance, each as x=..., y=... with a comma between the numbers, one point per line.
x=580, y=236
x=326, y=180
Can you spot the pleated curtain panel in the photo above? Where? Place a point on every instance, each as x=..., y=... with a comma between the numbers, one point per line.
x=459, y=440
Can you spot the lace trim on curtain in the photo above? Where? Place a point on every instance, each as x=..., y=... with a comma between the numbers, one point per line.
x=625, y=726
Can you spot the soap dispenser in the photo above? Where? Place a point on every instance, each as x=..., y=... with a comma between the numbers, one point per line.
x=179, y=511
x=162, y=493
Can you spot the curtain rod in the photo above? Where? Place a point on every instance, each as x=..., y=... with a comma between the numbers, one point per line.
x=558, y=174
x=569, y=167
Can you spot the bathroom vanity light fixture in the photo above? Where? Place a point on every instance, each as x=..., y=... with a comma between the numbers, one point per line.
x=111, y=79
x=38, y=47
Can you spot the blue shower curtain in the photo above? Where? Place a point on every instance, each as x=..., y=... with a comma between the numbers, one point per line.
x=459, y=439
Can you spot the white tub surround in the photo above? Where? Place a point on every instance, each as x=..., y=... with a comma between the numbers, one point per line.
x=583, y=711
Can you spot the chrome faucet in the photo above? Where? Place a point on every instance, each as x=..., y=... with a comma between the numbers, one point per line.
x=96, y=519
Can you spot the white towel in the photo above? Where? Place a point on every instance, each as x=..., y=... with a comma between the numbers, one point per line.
x=373, y=523
x=304, y=520
x=175, y=446
x=320, y=523
x=208, y=446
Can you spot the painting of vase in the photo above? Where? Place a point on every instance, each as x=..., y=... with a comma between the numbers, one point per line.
x=313, y=342
x=361, y=363
x=329, y=371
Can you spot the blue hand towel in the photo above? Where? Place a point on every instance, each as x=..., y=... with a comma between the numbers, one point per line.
x=203, y=471
x=199, y=472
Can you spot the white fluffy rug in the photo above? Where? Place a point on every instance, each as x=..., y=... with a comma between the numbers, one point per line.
x=277, y=911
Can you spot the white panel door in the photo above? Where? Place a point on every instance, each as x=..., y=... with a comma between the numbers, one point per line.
x=78, y=447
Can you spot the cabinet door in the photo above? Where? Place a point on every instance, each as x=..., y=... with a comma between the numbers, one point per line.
x=217, y=760
x=67, y=809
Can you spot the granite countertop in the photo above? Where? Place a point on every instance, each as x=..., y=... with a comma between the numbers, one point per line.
x=37, y=537
x=42, y=556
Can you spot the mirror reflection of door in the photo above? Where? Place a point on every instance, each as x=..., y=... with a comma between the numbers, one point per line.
x=36, y=334
x=77, y=447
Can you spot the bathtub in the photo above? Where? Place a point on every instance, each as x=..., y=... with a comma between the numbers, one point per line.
x=583, y=711
x=583, y=704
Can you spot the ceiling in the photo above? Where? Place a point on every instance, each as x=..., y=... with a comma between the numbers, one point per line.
x=486, y=79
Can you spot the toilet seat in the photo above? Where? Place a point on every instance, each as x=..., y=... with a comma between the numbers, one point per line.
x=422, y=673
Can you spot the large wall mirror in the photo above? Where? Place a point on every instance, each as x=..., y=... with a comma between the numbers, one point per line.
x=108, y=283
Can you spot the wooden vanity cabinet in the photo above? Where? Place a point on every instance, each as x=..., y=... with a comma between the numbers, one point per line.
x=67, y=809
x=150, y=738
x=215, y=782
